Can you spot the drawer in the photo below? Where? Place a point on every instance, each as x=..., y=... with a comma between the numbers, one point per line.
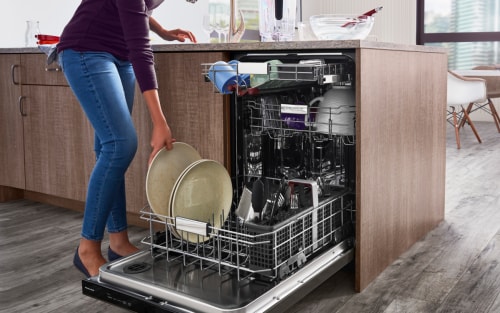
x=35, y=71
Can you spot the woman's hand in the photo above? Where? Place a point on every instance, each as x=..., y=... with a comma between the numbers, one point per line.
x=177, y=34
x=171, y=35
x=161, y=137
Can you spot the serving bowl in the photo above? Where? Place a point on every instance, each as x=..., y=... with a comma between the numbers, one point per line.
x=341, y=26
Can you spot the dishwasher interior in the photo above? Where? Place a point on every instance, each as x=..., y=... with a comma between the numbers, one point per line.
x=291, y=223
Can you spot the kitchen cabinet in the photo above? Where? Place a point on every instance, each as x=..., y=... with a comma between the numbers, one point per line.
x=57, y=137
x=11, y=123
x=58, y=140
x=46, y=141
x=52, y=156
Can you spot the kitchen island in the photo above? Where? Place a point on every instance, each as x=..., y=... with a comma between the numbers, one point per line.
x=400, y=134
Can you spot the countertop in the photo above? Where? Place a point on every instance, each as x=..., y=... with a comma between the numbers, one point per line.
x=270, y=46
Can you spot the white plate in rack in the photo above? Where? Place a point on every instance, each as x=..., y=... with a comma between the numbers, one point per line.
x=165, y=169
x=203, y=193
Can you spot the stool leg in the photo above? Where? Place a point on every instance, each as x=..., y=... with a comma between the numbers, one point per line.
x=495, y=114
x=466, y=116
x=455, y=124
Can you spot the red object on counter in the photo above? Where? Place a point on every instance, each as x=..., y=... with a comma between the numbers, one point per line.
x=46, y=39
x=372, y=11
x=369, y=13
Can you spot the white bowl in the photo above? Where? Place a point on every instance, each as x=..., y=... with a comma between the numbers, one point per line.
x=341, y=26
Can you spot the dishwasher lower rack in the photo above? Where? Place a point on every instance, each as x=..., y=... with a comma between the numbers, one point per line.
x=251, y=251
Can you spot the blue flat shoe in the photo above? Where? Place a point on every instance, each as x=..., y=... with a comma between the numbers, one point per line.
x=113, y=255
x=79, y=265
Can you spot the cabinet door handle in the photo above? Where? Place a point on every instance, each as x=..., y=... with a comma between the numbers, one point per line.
x=21, y=106
x=12, y=73
x=52, y=69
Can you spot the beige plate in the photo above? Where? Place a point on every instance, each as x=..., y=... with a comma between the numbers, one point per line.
x=203, y=193
x=172, y=194
x=164, y=171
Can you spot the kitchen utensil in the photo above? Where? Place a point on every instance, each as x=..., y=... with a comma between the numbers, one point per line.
x=203, y=193
x=163, y=172
x=279, y=200
x=245, y=209
x=369, y=13
x=341, y=26
x=258, y=198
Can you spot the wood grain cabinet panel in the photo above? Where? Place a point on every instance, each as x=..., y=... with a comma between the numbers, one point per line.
x=35, y=71
x=58, y=139
x=11, y=123
x=400, y=154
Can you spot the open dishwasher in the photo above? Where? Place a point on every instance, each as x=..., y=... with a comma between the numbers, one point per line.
x=292, y=218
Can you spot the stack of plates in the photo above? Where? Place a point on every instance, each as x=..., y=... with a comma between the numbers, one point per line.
x=180, y=183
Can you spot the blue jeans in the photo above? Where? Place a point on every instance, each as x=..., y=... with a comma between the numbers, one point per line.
x=104, y=86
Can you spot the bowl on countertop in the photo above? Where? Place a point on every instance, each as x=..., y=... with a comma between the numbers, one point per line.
x=341, y=26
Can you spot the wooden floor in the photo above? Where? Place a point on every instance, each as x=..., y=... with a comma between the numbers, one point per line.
x=455, y=268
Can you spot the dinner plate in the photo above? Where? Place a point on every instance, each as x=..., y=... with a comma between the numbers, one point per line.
x=165, y=169
x=171, y=199
x=202, y=193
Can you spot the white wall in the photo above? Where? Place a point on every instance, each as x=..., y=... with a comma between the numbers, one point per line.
x=54, y=14
x=395, y=23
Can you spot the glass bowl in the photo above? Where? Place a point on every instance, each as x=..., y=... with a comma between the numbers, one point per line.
x=341, y=26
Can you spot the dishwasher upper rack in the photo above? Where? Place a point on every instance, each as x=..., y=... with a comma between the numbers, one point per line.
x=290, y=74
x=252, y=251
x=283, y=119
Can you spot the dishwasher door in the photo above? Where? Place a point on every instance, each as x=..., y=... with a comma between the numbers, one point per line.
x=172, y=287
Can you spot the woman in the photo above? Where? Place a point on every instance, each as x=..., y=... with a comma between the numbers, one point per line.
x=102, y=50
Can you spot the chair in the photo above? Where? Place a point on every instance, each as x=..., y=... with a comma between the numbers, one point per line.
x=493, y=91
x=463, y=90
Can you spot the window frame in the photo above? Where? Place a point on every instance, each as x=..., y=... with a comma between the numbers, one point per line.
x=423, y=37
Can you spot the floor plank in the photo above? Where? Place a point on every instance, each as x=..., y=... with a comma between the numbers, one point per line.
x=454, y=268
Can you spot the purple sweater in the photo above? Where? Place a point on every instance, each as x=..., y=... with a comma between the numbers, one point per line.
x=119, y=27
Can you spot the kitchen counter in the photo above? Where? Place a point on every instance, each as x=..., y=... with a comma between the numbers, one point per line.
x=270, y=46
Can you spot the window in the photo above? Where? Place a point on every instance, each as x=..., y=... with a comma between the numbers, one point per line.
x=469, y=29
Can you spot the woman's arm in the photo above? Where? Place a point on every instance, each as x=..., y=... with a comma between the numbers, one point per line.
x=162, y=135
x=170, y=35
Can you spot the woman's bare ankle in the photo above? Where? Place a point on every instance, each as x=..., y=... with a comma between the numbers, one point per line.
x=89, y=252
x=120, y=243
